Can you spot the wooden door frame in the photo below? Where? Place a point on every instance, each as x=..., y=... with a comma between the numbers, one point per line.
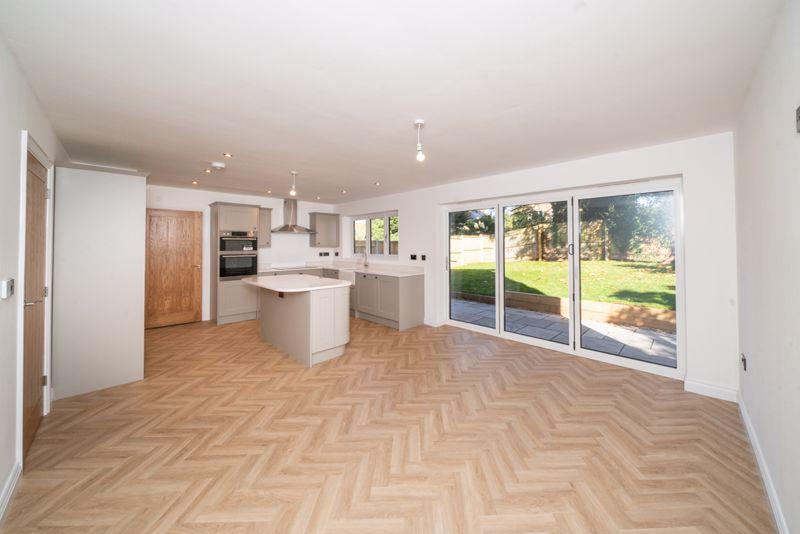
x=29, y=144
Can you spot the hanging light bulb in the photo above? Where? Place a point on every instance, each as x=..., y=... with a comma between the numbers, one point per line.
x=419, y=123
x=293, y=191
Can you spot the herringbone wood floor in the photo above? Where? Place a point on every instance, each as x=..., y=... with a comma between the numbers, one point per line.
x=430, y=430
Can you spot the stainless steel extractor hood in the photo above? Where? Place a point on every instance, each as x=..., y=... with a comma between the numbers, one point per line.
x=290, y=225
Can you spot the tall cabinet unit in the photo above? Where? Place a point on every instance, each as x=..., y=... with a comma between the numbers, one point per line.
x=231, y=299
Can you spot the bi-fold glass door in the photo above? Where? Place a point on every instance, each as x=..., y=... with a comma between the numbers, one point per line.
x=472, y=266
x=627, y=279
x=536, y=270
x=594, y=272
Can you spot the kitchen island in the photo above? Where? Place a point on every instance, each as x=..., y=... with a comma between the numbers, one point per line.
x=305, y=316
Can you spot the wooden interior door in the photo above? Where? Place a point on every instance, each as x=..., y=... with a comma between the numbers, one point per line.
x=173, y=280
x=33, y=327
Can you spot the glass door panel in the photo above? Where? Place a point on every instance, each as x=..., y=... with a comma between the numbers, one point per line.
x=627, y=276
x=536, y=270
x=473, y=267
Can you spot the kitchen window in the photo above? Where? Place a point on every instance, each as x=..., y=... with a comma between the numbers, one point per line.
x=379, y=232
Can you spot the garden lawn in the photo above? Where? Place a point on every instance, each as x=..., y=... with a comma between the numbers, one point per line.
x=622, y=282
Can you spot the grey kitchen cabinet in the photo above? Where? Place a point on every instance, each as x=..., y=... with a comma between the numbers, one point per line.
x=326, y=226
x=367, y=293
x=330, y=273
x=237, y=301
x=237, y=217
x=394, y=301
x=264, y=227
x=389, y=297
x=230, y=300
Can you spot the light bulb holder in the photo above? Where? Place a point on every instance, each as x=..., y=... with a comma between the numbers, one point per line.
x=419, y=124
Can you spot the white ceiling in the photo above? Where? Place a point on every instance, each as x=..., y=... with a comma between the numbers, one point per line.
x=332, y=88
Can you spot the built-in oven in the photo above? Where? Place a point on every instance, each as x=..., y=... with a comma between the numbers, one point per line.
x=237, y=265
x=232, y=241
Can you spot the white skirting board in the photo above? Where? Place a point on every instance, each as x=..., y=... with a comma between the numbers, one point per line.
x=711, y=390
x=774, y=501
x=8, y=488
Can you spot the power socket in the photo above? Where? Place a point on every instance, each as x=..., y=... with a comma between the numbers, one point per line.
x=413, y=256
x=6, y=288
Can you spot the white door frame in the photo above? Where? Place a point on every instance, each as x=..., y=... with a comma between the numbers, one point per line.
x=29, y=144
x=673, y=183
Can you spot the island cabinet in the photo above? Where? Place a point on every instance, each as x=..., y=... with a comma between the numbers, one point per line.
x=326, y=226
x=307, y=317
x=394, y=301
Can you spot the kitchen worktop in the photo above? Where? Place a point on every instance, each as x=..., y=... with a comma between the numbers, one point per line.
x=380, y=269
x=295, y=283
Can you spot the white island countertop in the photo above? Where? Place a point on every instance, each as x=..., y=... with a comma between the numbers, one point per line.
x=295, y=283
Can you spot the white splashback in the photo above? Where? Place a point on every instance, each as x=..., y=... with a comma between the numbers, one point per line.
x=285, y=247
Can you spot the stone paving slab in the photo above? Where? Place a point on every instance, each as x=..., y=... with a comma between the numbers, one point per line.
x=643, y=344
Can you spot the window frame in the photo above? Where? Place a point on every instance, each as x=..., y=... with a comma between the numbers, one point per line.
x=367, y=218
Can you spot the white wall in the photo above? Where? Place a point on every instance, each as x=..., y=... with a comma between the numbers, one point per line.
x=284, y=247
x=768, y=191
x=706, y=164
x=19, y=110
x=98, y=280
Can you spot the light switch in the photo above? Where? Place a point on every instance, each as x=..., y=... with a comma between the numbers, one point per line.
x=6, y=288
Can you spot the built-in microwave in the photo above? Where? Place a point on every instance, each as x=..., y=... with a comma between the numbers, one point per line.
x=237, y=265
x=237, y=244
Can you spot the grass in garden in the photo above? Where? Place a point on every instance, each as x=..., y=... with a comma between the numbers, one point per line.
x=621, y=282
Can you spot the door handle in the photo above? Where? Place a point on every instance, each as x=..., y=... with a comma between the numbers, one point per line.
x=196, y=266
x=27, y=303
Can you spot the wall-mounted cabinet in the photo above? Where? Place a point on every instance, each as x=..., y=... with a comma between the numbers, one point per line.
x=326, y=226
x=264, y=227
x=234, y=217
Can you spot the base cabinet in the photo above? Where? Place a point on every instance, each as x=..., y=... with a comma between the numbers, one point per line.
x=236, y=301
x=367, y=293
x=395, y=301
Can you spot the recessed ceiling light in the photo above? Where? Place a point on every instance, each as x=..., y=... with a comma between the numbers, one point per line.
x=344, y=191
x=207, y=171
x=377, y=184
x=194, y=182
x=318, y=197
x=227, y=155
x=269, y=191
